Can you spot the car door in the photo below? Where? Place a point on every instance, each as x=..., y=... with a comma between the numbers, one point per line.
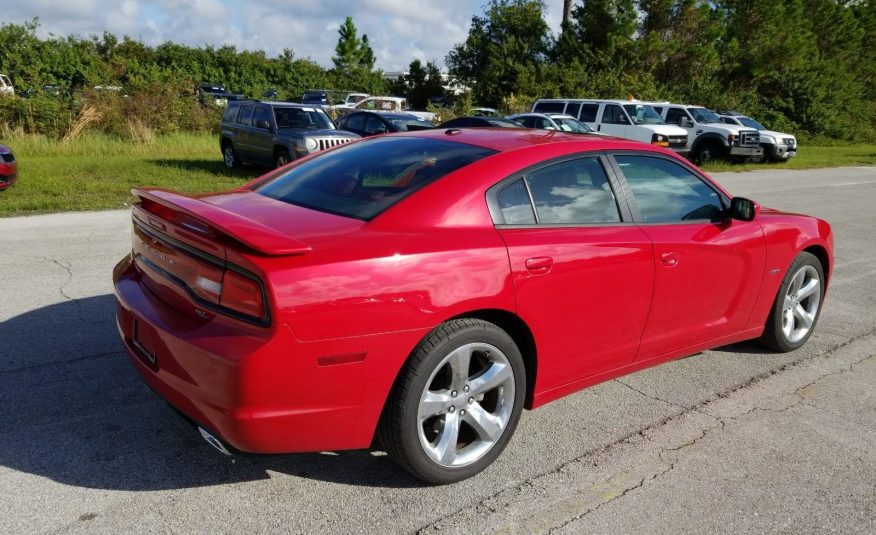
x=680, y=117
x=708, y=268
x=613, y=121
x=243, y=138
x=262, y=139
x=582, y=272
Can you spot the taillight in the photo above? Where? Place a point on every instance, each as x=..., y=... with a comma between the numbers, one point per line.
x=242, y=294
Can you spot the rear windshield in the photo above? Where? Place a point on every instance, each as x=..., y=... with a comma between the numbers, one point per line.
x=363, y=179
x=308, y=118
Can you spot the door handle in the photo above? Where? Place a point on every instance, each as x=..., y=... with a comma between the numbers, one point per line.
x=599, y=127
x=539, y=265
x=669, y=259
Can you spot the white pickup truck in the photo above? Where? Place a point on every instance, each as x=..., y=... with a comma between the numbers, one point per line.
x=6, y=85
x=389, y=105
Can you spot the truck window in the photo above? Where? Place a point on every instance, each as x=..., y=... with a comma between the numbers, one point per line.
x=261, y=114
x=573, y=108
x=674, y=115
x=614, y=114
x=588, y=113
x=549, y=107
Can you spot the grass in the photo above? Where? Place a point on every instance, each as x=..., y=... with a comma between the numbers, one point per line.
x=97, y=172
x=810, y=157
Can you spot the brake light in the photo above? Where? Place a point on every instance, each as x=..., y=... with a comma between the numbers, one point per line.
x=242, y=294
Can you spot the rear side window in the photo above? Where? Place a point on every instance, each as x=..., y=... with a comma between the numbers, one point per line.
x=550, y=107
x=230, y=113
x=515, y=204
x=573, y=109
x=363, y=179
x=588, y=113
x=245, y=117
x=573, y=192
x=665, y=191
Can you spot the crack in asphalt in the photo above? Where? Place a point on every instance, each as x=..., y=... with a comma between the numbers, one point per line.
x=721, y=422
x=64, y=266
x=59, y=362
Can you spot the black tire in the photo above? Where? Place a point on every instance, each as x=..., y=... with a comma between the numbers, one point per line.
x=229, y=155
x=400, y=429
x=774, y=336
x=281, y=157
x=707, y=152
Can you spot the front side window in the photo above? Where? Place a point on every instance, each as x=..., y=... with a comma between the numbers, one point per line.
x=643, y=114
x=702, y=115
x=261, y=114
x=675, y=116
x=355, y=121
x=374, y=125
x=613, y=114
x=573, y=192
x=665, y=191
x=751, y=123
x=360, y=180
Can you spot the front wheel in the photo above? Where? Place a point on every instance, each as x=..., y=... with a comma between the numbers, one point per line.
x=281, y=158
x=456, y=403
x=797, y=305
x=707, y=153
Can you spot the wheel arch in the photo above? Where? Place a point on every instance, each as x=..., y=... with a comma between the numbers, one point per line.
x=819, y=252
x=709, y=137
x=522, y=335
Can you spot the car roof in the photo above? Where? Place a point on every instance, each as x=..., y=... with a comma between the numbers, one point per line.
x=385, y=115
x=508, y=139
x=273, y=103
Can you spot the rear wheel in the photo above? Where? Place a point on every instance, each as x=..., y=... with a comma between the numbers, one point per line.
x=229, y=155
x=456, y=403
x=797, y=305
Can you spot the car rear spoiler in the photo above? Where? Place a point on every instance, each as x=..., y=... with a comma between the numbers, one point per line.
x=252, y=234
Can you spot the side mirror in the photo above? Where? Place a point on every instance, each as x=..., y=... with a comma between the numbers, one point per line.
x=742, y=209
x=263, y=124
x=685, y=122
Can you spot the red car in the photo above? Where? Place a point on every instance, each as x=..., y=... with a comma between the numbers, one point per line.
x=8, y=167
x=416, y=291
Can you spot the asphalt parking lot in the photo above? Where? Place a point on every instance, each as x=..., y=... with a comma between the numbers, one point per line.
x=727, y=441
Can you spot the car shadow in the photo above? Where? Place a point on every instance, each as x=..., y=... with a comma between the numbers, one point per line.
x=213, y=167
x=73, y=409
x=748, y=347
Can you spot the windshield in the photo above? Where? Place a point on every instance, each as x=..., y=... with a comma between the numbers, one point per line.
x=643, y=114
x=501, y=123
x=402, y=125
x=361, y=180
x=702, y=115
x=751, y=123
x=307, y=118
x=572, y=125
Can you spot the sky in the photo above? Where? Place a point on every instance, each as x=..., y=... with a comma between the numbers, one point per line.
x=399, y=30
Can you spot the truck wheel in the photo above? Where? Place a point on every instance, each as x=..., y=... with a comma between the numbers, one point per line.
x=229, y=155
x=708, y=152
x=281, y=157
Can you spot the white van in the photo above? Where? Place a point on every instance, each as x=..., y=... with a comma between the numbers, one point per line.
x=628, y=119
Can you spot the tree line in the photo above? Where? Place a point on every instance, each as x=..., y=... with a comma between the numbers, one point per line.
x=800, y=65
x=808, y=66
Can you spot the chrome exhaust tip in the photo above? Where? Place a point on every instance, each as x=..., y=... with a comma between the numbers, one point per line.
x=213, y=441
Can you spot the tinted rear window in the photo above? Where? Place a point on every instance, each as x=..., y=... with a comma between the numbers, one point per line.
x=363, y=179
x=549, y=107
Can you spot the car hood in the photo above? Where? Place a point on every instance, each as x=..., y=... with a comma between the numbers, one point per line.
x=301, y=133
x=664, y=129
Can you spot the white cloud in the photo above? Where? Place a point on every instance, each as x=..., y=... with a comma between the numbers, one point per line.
x=399, y=30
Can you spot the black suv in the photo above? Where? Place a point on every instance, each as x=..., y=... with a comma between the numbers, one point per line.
x=275, y=133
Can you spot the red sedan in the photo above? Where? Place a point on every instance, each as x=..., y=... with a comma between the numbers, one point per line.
x=8, y=167
x=417, y=291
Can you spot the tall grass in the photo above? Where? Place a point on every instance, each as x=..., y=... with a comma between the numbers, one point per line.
x=91, y=144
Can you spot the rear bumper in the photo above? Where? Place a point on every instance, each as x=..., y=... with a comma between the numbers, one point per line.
x=260, y=390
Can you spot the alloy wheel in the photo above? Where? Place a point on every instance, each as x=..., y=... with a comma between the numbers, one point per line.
x=800, y=305
x=466, y=405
